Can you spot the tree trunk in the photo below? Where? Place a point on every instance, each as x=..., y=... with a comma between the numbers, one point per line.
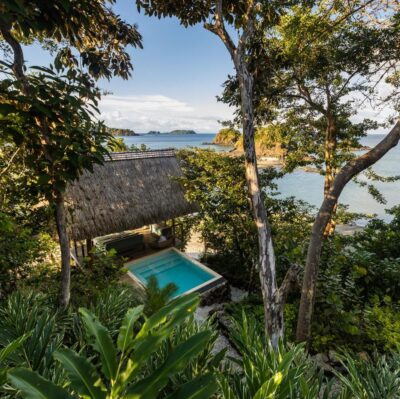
x=65, y=251
x=272, y=306
x=330, y=170
x=350, y=170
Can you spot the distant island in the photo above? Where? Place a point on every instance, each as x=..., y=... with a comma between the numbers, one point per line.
x=182, y=132
x=153, y=132
x=121, y=132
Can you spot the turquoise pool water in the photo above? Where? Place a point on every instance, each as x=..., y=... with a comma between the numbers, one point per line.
x=170, y=267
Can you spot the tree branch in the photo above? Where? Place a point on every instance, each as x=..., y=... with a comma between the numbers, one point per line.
x=218, y=28
x=248, y=30
x=18, y=64
x=290, y=281
x=2, y=172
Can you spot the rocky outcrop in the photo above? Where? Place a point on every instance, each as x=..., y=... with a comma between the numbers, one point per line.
x=121, y=132
x=227, y=137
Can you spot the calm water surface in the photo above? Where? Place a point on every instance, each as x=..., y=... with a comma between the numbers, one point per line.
x=304, y=185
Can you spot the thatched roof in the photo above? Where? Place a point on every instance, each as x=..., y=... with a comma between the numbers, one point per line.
x=128, y=191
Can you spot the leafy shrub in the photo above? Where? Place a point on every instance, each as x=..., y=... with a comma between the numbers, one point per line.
x=109, y=306
x=367, y=378
x=265, y=373
x=357, y=304
x=31, y=315
x=206, y=362
x=100, y=270
x=157, y=297
x=382, y=326
x=20, y=254
x=118, y=372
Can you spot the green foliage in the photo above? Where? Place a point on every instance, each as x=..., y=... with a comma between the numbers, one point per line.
x=122, y=366
x=205, y=363
x=117, y=144
x=109, y=306
x=216, y=182
x=265, y=373
x=289, y=373
x=358, y=301
x=50, y=113
x=74, y=141
x=5, y=353
x=227, y=136
x=366, y=378
x=99, y=270
x=30, y=315
x=157, y=297
x=20, y=253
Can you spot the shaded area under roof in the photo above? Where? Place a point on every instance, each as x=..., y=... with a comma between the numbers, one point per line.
x=128, y=191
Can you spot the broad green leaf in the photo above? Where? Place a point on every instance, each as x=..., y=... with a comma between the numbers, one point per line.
x=200, y=388
x=101, y=342
x=147, y=341
x=269, y=388
x=12, y=346
x=33, y=386
x=125, y=332
x=149, y=387
x=187, y=303
x=83, y=376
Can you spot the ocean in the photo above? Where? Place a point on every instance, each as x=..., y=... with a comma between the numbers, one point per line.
x=305, y=185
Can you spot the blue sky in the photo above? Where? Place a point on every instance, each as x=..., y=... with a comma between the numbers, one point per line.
x=176, y=78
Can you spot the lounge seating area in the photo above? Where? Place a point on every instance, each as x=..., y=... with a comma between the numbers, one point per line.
x=126, y=244
x=133, y=244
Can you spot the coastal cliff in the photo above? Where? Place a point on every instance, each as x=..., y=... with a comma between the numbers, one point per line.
x=227, y=136
x=121, y=132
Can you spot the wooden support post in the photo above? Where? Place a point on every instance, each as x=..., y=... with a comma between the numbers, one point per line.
x=76, y=249
x=173, y=233
x=82, y=249
x=89, y=247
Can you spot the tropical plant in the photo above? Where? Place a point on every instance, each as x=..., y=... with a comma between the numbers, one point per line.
x=157, y=297
x=5, y=353
x=98, y=271
x=207, y=361
x=268, y=373
x=20, y=252
x=366, y=378
x=109, y=306
x=29, y=313
x=117, y=371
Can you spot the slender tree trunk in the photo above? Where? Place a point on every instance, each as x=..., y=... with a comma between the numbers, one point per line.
x=65, y=251
x=330, y=170
x=272, y=306
x=350, y=170
x=273, y=298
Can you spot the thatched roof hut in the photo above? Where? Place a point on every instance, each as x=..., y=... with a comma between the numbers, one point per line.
x=128, y=191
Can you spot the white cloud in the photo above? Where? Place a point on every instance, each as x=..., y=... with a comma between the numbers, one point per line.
x=157, y=112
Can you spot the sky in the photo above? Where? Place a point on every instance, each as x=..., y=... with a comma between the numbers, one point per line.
x=176, y=78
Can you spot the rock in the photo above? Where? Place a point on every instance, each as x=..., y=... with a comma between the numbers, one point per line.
x=333, y=357
x=322, y=362
x=219, y=294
